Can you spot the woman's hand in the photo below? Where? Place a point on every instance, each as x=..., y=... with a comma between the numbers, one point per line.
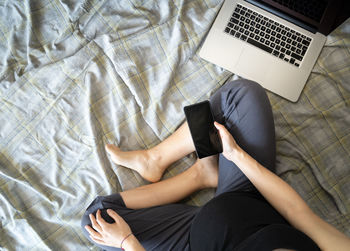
x=108, y=234
x=229, y=145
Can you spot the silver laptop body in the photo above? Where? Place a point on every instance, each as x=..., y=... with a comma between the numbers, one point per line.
x=276, y=73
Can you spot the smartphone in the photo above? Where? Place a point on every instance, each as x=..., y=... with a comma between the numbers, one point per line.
x=204, y=134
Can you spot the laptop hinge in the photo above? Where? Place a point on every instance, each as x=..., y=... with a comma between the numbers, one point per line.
x=282, y=15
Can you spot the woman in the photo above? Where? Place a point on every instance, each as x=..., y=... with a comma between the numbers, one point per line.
x=253, y=209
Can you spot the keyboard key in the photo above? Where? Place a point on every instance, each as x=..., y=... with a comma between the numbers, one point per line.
x=230, y=25
x=259, y=45
x=294, y=37
x=267, y=42
x=281, y=56
x=246, y=33
x=292, y=60
x=257, y=37
x=262, y=40
x=227, y=30
x=267, y=36
x=251, y=35
x=243, y=37
x=273, y=27
x=298, y=51
x=296, y=56
x=296, y=64
x=293, y=48
x=272, y=45
x=288, y=46
x=241, y=30
x=283, y=43
x=299, y=46
x=283, y=50
x=294, y=43
x=278, y=35
x=275, y=53
x=234, y=20
x=303, y=52
x=268, y=31
x=273, y=33
x=277, y=41
x=235, y=15
x=288, y=52
x=278, y=47
x=232, y=32
x=272, y=39
x=305, y=42
x=289, y=34
x=237, y=35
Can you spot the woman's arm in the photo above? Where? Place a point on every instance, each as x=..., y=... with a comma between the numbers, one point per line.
x=283, y=197
x=117, y=234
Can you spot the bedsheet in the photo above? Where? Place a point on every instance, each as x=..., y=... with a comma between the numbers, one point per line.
x=77, y=74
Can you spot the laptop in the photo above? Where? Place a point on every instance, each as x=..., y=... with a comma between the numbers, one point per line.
x=273, y=42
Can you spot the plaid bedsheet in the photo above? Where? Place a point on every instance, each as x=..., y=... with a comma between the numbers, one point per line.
x=75, y=75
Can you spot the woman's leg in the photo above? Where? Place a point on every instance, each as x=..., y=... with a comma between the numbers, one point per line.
x=152, y=163
x=158, y=227
x=203, y=174
x=243, y=107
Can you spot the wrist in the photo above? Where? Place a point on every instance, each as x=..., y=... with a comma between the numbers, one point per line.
x=236, y=154
x=131, y=243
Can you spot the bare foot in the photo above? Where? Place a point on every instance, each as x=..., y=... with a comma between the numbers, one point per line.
x=208, y=171
x=143, y=162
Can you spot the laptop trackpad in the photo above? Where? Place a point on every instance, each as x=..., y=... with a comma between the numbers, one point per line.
x=254, y=64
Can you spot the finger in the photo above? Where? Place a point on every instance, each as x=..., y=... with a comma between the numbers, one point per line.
x=98, y=241
x=99, y=219
x=93, y=232
x=116, y=217
x=94, y=223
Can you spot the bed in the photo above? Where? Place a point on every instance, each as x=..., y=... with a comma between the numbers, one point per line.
x=77, y=74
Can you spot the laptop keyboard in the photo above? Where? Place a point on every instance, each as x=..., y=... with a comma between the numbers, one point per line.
x=268, y=35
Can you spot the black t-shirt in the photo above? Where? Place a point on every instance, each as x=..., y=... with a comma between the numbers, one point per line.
x=244, y=221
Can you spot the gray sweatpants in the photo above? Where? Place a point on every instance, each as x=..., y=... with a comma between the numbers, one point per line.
x=243, y=107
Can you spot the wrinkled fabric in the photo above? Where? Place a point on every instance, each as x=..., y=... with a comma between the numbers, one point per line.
x=75, y=75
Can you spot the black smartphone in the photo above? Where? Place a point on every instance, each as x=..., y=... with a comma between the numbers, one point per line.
x=205, y=136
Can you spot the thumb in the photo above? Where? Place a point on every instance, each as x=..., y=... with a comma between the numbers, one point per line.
x=222, y=129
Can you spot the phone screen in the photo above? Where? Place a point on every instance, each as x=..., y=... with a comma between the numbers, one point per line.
x=204, y=134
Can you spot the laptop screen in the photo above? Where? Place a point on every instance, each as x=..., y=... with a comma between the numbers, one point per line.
x=319, y=15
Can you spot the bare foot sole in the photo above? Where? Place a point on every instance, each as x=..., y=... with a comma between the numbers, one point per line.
x=140, y=161
x=208, y=169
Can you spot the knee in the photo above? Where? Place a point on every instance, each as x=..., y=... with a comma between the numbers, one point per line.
x=103, y=203
x=246, y=86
